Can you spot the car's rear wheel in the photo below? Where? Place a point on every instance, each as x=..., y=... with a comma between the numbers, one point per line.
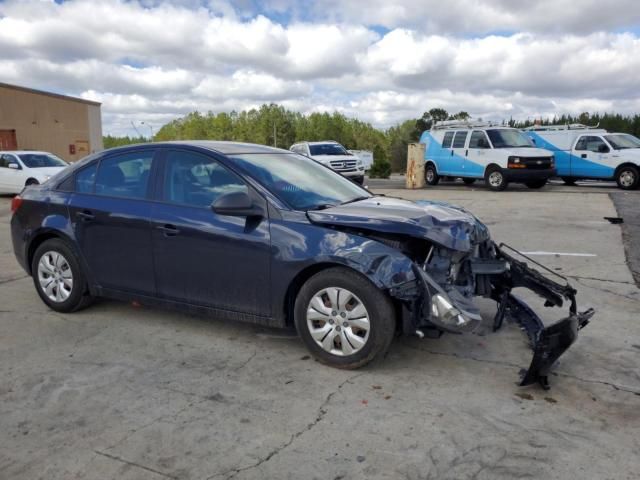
x=495, y=179
x=343, y=319
x=431, y=175
x=628, y=177
x=535, y=184
x=469, y=181
x=58, y=278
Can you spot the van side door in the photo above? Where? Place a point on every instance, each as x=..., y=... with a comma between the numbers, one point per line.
x=458, y=150
x=592, y=158
x=443, y=155
x=477, y=155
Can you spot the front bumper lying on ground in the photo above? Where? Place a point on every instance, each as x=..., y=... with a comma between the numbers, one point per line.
x=444, y=308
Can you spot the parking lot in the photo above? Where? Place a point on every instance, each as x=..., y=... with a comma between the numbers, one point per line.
x=123, y=392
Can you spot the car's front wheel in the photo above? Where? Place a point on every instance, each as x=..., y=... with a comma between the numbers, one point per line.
x=343, y=319
x=58, y=277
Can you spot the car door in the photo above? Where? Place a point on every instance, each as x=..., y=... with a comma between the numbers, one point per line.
x=201, y=257
x=109, y=211
x=477, y=154
x=11, y=179
x=458, y=150
x=592, y=158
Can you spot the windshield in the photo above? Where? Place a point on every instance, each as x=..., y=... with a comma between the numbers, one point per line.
x=40, y=160
x=508, y=138
x=300, y=182
x=328, y=149
x=622, y=141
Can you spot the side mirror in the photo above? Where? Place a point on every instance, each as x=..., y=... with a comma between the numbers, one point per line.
x=603, y=149
x=237, y=204
x=14, y=166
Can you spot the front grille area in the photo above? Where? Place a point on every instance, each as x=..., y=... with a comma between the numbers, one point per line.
x=537, y=163
x=342, y=165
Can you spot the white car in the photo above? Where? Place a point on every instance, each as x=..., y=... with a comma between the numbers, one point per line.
x=24, y=167
x=334, y=156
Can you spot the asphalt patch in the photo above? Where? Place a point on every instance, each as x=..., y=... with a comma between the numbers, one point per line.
x=627, y=207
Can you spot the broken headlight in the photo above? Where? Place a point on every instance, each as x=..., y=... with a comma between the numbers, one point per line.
x=444, y=314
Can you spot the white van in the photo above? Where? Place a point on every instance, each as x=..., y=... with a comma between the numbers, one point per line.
x=495, y=153
x=590, y=152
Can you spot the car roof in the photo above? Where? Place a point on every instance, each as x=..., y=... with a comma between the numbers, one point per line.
x=223, y=147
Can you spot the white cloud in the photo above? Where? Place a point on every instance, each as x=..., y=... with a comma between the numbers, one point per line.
x=151, y=60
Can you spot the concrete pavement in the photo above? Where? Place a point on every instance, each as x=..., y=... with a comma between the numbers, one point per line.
x=122, y=392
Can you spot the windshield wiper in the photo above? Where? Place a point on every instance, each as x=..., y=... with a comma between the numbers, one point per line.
x=322, y=206
x=353, y=200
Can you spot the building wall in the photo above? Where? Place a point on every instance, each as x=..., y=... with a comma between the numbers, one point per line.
x=51, y=123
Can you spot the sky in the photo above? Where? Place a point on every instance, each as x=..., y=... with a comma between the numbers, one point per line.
x=382, y=61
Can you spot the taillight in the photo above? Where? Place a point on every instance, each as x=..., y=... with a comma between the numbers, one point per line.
x=15, y=203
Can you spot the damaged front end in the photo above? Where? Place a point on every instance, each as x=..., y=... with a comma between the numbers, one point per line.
x=454, y=260
x=441, y=300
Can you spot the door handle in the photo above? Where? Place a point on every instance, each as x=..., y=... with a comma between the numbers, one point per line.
x=584, y=155
x=85, y=215
x=168, y=230
x=466, y=152
x=452, y=153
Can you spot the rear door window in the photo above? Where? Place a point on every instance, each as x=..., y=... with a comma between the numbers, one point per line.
x=125, y=175
x=460, y=139
x=446, y=141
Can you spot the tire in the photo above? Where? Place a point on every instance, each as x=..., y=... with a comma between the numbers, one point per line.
x=330, y=330
x=358, y=180
x=569, y=181
x=31, y=181
x=628, y=177
x=62, y=259
x=431, y=175
x=495, y=180
x=535, y=184
x=469, y=181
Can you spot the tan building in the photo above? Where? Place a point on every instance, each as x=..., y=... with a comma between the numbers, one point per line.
x=35, y=120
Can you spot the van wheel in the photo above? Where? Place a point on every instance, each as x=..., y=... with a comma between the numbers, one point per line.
x=495, y=179
x=344, y=320
x=628, y=177
x=535, y=184
x=569, y=181
x=431, y=175
x=469, y=181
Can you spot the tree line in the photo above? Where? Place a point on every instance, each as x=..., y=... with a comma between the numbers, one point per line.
x=274, y=125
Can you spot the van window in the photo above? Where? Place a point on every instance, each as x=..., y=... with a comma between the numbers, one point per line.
x=446, y=141
x=478, y=140
x=460, y=139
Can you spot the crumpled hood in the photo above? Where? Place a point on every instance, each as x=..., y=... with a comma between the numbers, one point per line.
x=450, y=226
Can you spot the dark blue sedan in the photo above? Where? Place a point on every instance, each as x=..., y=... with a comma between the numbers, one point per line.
x=263, y=235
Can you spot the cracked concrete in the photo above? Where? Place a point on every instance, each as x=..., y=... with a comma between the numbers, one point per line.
x=119, y=392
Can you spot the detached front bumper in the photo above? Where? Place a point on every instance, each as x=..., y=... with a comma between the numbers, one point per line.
x=443, y=308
